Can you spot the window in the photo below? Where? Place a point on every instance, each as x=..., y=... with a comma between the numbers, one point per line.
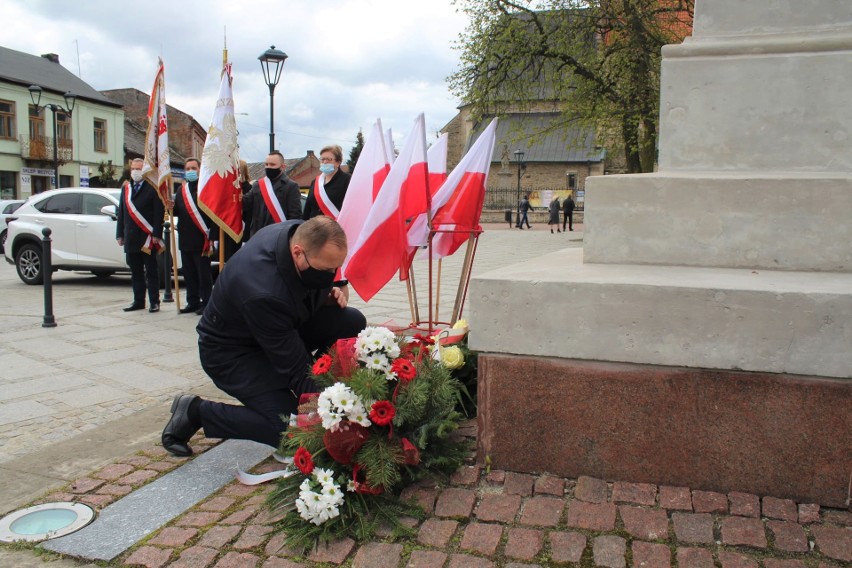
x=63, y=128
x=8, y=185
x=63, y=203
x=572, y=180
x=66, y=181
x=100, y=135
x=7, y=119
x=92, y=203
x=36, y=123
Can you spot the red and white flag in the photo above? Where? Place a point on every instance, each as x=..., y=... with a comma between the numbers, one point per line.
x=157, y=168
x=369, y=175
x=382, y=245
x=219, y=193
x=389, y=147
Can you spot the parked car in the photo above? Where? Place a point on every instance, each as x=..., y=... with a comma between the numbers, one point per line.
x=7, y=207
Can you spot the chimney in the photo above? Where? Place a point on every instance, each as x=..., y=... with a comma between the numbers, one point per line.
x=310, y=152
x=51, y=57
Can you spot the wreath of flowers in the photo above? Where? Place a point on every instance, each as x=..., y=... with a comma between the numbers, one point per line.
x=384, y=419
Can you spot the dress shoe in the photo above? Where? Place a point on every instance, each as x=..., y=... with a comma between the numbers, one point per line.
x=133, y=307
x=179, y=428
x=154, y=308
x=189, y=309
x=199, y=312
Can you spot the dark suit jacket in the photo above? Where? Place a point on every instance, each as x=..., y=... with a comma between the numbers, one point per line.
x=149, y=204
x=256, y=310
x=255, y=213
x=336, y=190
x=191, y=238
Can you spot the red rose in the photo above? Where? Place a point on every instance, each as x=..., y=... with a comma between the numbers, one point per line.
x=404, y=369
x=304, y=461
x=321, y=365
x=382, y=413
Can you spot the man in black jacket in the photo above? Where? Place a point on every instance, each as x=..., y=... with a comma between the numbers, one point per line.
x=140, y=231
x=193, y=226
x=273, y=198
x=568, y=213
x=272, y=306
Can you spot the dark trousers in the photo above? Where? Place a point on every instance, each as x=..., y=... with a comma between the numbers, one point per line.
x=244, y=376
x=568, y=217
x=197, y=277
x=523, y=220
x=143, y=275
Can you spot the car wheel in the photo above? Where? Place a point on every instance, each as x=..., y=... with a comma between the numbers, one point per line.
x=28, y=262
x=103, y=273
x=3, y=241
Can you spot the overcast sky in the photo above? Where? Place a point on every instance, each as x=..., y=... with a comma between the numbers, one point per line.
x=350, y=61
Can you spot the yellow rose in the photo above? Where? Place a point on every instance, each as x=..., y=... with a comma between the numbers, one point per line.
x=452, y=357
x=461, y=324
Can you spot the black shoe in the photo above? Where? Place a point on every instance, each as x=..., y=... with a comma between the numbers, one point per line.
x=199, y=312
x=154, y=308
x=189, y=310
x=179, y=428
x=133, y=307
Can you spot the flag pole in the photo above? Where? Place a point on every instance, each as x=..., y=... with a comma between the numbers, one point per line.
x=464, y=278
x=173, y=248
x=412, y=298
x=438, y=289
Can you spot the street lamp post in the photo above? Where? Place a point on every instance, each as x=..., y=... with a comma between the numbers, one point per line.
x=70, y=99
x=519, y=157
x=272, y=63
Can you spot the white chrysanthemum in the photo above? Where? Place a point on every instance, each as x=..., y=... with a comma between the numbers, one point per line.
x=377, y=362
x=393, y=350
x=324, y=476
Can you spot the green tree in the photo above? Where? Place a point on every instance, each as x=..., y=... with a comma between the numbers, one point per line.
x=595, y=61
x=355, y=152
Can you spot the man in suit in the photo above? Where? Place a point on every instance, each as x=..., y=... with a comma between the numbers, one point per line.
x=272, y=307
x=273, y=198
x=140, y=231
x=568, y=213
x=193, y=226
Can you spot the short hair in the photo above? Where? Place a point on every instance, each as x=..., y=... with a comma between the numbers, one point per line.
x=277, y=153
x=196, y=160
x=314, y=233
x=134, y=160
x=335, y=150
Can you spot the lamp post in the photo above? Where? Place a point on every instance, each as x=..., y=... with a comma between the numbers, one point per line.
x=519, y=157
x=70, y=99
x=272, y=63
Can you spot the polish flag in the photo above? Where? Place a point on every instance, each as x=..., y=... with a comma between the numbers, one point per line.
x=157, y=168
x=219, y=193
x=382, y=245
x=389, y=148
x=369, y=175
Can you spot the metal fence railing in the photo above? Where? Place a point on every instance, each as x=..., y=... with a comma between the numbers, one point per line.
x=507, y=198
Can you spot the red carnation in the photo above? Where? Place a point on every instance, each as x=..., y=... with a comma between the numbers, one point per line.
x=382, y=413
x=303, y=460
x=321, y=365
x=404, y=369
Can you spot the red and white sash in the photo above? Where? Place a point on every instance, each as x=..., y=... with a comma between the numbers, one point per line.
x=152, y=243
x=197, y=219
x=323, y=200
x=271, y=201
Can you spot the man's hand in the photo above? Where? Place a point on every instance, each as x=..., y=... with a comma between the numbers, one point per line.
x=120, y=241
x=340, y=296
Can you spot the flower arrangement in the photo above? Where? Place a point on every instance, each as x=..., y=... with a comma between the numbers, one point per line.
x=384, y=419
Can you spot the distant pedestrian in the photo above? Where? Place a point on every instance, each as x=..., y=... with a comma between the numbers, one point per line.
x=553, y=209
x=568, y=213
x=525, y=207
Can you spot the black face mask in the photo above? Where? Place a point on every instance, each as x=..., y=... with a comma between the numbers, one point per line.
x=273, y=173
x=314, y=279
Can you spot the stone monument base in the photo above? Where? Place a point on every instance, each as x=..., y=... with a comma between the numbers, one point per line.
x=718, y=430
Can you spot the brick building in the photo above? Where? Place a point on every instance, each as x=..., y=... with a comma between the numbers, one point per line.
x=302, y=170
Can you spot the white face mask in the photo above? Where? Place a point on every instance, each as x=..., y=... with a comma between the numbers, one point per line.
x=136, y=175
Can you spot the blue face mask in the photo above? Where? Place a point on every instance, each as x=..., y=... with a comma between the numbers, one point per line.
x=191, y=175
x=326, y=168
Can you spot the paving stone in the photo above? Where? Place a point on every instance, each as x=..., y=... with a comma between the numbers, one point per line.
x=482, y=538
x=149, y=556
x=837, y=517
x=694, y=558
x=524, y=543
x=275, y=547
x=437, y=533
x=783, y=509
x=113, y=489
x=195, y=557
x=138, y=477
x=113, y=471
x=455, y=502
x=85, y=485
x=199, y=519
x=592, y=516
x=591, y=490
x=97, y=501
x=496, y=477
x=518, y=484
x=424, y=496
x=174, y=536
x=252, y=537
x=217, y=504
x=783, y=563
x=238, y=560
x=385, y=529
x=639, y=493
x=744, y=504
x=542, y=511
x=162, y=466
x=651, y=555
x=734, y=560
x=648, y=524
x=549, y=485
x=378, y=555
x=469, y=561
x=219, y=536
x=675, y=498
x=709, y=502
x=276, y=562
x=788, y=536
x=694, y=528
x=466, y=475
x=498, y=507
x=521, y=565
x=834, y=542
x=240, y=517
x=137, y=461
x=566, y=546
x=744, y=531
x=609, y=551
x=426, y=559
x=334, y=552
x=238, y=490
x=808, y=513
